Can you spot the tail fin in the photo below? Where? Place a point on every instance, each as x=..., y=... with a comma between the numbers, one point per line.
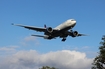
x=45, y=26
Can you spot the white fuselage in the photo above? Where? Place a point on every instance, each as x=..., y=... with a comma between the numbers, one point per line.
x=67, y=24
x=63, y=30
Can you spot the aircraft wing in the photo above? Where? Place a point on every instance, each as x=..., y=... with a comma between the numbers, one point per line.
x=32, y=27
x=39, y=36
x=40, y=29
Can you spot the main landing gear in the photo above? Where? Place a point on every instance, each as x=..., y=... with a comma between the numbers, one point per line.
x=63, y=39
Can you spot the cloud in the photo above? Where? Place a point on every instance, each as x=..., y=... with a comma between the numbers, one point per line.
x=71, y=47
x=7, y=50
x=64, y=59
x=10, y=48
x=29, y=40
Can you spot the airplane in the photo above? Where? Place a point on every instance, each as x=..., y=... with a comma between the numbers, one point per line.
x=63, y=30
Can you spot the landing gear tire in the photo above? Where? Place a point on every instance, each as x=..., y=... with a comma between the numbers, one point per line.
x=63, y=39
x=71, y=30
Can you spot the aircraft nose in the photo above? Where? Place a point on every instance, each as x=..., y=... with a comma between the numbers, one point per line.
x=75, y=22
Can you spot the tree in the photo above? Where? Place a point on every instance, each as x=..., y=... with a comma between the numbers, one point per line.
x=99, y=61
x=47, y=67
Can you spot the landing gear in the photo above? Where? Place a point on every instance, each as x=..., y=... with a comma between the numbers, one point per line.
x=63, y=39
x=71, y=30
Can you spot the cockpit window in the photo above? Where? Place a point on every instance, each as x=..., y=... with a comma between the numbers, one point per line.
x=72, y=20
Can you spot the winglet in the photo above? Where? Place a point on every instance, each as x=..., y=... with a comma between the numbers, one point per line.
x=12, y=24
x=17, y=24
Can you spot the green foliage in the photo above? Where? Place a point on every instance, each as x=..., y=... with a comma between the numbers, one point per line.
x=99, y=61
x=47, y=67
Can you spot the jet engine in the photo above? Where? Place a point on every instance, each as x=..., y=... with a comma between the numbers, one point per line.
x=74, y=33
x=49, y=29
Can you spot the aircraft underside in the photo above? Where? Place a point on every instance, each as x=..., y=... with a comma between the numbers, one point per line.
x=61, y=34
x=62, y=31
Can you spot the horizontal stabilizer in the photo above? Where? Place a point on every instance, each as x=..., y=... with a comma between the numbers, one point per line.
x=82, y=35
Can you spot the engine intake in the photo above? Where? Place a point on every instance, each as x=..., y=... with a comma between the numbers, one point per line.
x=74, y=33
x=49, y=29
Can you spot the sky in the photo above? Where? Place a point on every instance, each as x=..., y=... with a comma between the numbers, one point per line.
x=19, y=50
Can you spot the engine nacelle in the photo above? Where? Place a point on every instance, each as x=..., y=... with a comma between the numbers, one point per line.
x=49, y=29
x=74, y=33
